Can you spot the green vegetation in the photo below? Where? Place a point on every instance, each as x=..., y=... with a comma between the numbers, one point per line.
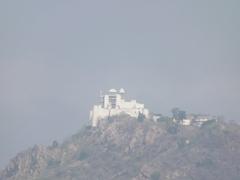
x=164, y=119
x=53, y=163
x=55, y=144
x=181, y=142
x=210, y=124
x=155, y=176
x=172, y=128
x=141, y=117
x=206, y=163
x=178, y=114
x=83, y=155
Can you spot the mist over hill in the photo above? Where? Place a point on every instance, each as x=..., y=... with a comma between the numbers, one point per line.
x=123, y=148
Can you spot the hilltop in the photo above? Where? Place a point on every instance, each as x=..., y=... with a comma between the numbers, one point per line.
x=123, y=147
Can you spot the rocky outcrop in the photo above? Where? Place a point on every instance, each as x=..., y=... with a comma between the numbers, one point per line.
x=30, y=164
x=125, y=148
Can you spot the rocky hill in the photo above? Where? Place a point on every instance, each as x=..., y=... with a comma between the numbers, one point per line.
x=125, y=148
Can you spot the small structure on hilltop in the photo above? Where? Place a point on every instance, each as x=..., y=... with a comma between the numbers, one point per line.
x=113, y=103
x=197, y=119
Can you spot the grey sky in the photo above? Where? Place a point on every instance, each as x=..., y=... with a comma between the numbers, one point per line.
x=56, y=55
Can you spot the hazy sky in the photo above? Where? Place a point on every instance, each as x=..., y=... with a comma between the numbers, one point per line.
x=55, y=57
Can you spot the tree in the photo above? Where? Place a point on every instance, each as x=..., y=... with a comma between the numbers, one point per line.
x=55, y=144
x=141, y=117
x=178, y=114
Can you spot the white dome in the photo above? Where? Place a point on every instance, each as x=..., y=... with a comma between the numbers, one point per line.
x=122, y=91
x=113, y=91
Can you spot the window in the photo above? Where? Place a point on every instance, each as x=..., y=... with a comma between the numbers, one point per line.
x=113, y=101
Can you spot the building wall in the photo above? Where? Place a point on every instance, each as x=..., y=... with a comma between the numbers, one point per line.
x=111, y=107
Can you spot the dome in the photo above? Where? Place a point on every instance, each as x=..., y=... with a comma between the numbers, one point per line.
x=122, y=91
x=113, y=91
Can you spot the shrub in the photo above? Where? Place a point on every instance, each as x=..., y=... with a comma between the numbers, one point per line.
x=155, y=176
x=181, y=143
x=83, y=155
x=53, y=162
x=172, y=129
x=209, y=124
x=141, y=117
x=164, y=119
x=207, y=163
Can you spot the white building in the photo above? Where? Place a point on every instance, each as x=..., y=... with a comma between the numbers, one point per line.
x=197, y=119
x=186, y=122
x=113, y=103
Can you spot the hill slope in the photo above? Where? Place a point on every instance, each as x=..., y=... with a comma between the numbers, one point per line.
x=124, y=148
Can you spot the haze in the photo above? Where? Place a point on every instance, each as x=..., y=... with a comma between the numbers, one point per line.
x=55, y=57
